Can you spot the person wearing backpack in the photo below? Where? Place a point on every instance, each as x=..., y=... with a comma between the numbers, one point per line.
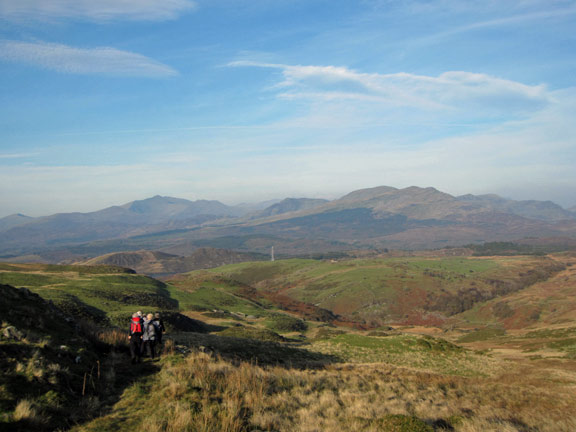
x=135, y=337
x=159, y=327
x=149, y=336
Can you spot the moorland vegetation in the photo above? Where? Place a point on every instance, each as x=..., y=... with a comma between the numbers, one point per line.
x=295, y=345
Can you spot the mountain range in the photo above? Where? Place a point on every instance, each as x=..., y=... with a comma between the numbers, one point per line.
x=381, y=217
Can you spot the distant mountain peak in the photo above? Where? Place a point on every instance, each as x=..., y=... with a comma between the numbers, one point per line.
x=156, y=199
x=291, y=205
x=17, y=216
x=380, y=216
x=161, y=207
x=383, y=191
x=14, y=220
x=420, y=189
x=539, y=210
x=368, y=193
x=423, y=192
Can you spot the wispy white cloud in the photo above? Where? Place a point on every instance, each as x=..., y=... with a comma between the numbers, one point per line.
x=470, y=6
x=94, y=10
x=523, y=18
x=84, y=61
x=454, y=89
x=520, y=18
x=7, y=156
x=464, y=16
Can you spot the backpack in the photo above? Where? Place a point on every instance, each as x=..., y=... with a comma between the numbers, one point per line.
x=159, y=325
x=135, y=326
x=151, y=333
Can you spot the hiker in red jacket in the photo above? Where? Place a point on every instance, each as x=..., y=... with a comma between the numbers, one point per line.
x=136, y=330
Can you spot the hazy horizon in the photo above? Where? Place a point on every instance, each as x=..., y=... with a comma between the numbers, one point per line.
x=108, y=102
x=232, y=203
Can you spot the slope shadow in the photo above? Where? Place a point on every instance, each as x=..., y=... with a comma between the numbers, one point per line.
x=235, y=349
x=117, y=374
x=84, y=390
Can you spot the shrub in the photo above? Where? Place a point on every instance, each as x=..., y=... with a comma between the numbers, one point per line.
x=327, y=333
x=482, y=335
x=286, y=323
x=252, y=333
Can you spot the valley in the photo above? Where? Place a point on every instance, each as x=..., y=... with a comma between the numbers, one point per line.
x=423, y=343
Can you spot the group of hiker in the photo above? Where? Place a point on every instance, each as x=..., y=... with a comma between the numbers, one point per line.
x=145, y=334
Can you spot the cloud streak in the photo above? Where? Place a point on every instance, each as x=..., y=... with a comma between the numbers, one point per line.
x=94, y=61
x=450, y=90
x=7, y=156
x=526, y=18
x=94, y=10
x=472, y=6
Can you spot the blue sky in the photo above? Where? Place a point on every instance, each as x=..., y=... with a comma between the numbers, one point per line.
x=104, y=102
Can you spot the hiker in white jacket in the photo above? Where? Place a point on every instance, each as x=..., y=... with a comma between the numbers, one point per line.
x=149, y=336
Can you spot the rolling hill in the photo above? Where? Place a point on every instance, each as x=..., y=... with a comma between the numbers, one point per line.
x=108, y=295
x=159, y=264
x=548, y=303
x=93, y=292
x=375, y=292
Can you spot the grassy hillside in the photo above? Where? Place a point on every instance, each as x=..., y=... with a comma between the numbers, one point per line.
x=108, y=295
x=54, y=373
x=549, y=303
x=200, y=392
x=377, y=291
x=369, y=292
x=161, y=264
x=257, y=365
x=99, y=293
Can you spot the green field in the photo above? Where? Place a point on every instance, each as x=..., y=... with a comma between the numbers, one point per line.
x=371, y=292
x=385, y=290
x=91, y=292
x=208, y=298
x=109, y=295
x=407, y=350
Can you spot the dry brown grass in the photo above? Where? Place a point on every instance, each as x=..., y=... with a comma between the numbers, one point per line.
x=24, y=410
x=111, y=336
x=201, y=393
x=28, y=413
